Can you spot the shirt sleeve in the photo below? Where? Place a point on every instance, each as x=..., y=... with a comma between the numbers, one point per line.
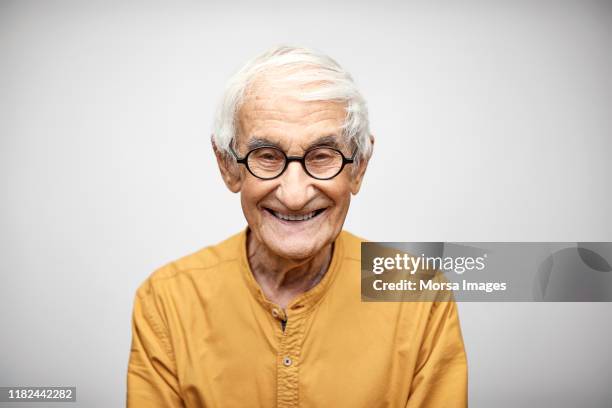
x=151, y=379
x=441, y=373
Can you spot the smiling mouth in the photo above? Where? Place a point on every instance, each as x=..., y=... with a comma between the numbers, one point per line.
x=295, y=217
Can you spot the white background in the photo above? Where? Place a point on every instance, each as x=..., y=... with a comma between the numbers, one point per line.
x=493, y=123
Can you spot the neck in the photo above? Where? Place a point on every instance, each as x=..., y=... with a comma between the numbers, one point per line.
x=281, y=279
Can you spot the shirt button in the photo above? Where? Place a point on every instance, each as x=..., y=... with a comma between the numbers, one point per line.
x=275, y=313
x=287, y=361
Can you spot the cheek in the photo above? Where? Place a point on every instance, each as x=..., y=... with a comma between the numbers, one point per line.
x=340, y=195
x=343, y=204
x=340, y=191
x=251, y=194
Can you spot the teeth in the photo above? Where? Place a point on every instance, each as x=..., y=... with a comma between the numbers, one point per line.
x=293, y=217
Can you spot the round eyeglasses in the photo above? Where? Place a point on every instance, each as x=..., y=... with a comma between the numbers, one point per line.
x=269, y=162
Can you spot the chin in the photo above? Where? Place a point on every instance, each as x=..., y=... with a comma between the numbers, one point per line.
x=296, y=248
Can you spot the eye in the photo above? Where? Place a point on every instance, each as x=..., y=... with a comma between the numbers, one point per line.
x=267, y=154
x=266, y=158
x=322, y=156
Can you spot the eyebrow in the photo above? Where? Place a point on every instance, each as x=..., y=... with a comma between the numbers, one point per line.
x=329, y=140
x=256, y=142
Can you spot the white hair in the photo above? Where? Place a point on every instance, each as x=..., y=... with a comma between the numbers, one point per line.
x=312, y=76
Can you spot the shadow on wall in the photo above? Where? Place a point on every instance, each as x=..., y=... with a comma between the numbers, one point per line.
x=580, y=274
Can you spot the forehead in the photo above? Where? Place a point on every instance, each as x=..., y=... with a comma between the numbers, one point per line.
x=274, y=113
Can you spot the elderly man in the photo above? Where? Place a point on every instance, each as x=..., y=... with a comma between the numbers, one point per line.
x=272, y=317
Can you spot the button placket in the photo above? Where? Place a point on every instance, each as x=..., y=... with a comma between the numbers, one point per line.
x=288, y=362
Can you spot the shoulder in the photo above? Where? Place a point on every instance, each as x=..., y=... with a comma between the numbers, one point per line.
x=352, y=245
x=193, y=266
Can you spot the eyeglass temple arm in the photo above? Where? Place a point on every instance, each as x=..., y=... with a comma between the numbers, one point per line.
x=352, y=158
x=238, y=159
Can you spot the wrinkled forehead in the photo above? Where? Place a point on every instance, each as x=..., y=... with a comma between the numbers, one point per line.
x=273, y=110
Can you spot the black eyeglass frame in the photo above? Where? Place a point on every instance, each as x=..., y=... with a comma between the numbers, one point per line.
x=289, y=159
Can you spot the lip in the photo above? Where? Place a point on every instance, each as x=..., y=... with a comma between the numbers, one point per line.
x=319, y=214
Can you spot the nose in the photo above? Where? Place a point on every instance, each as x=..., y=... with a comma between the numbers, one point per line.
x=295, y=189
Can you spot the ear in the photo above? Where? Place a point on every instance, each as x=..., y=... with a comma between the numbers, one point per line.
x=230, y=172
x=359, y=173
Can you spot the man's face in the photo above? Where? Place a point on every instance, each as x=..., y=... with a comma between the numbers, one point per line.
x=293, y=126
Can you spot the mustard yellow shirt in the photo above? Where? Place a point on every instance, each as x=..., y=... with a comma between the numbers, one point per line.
x=204, y=335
